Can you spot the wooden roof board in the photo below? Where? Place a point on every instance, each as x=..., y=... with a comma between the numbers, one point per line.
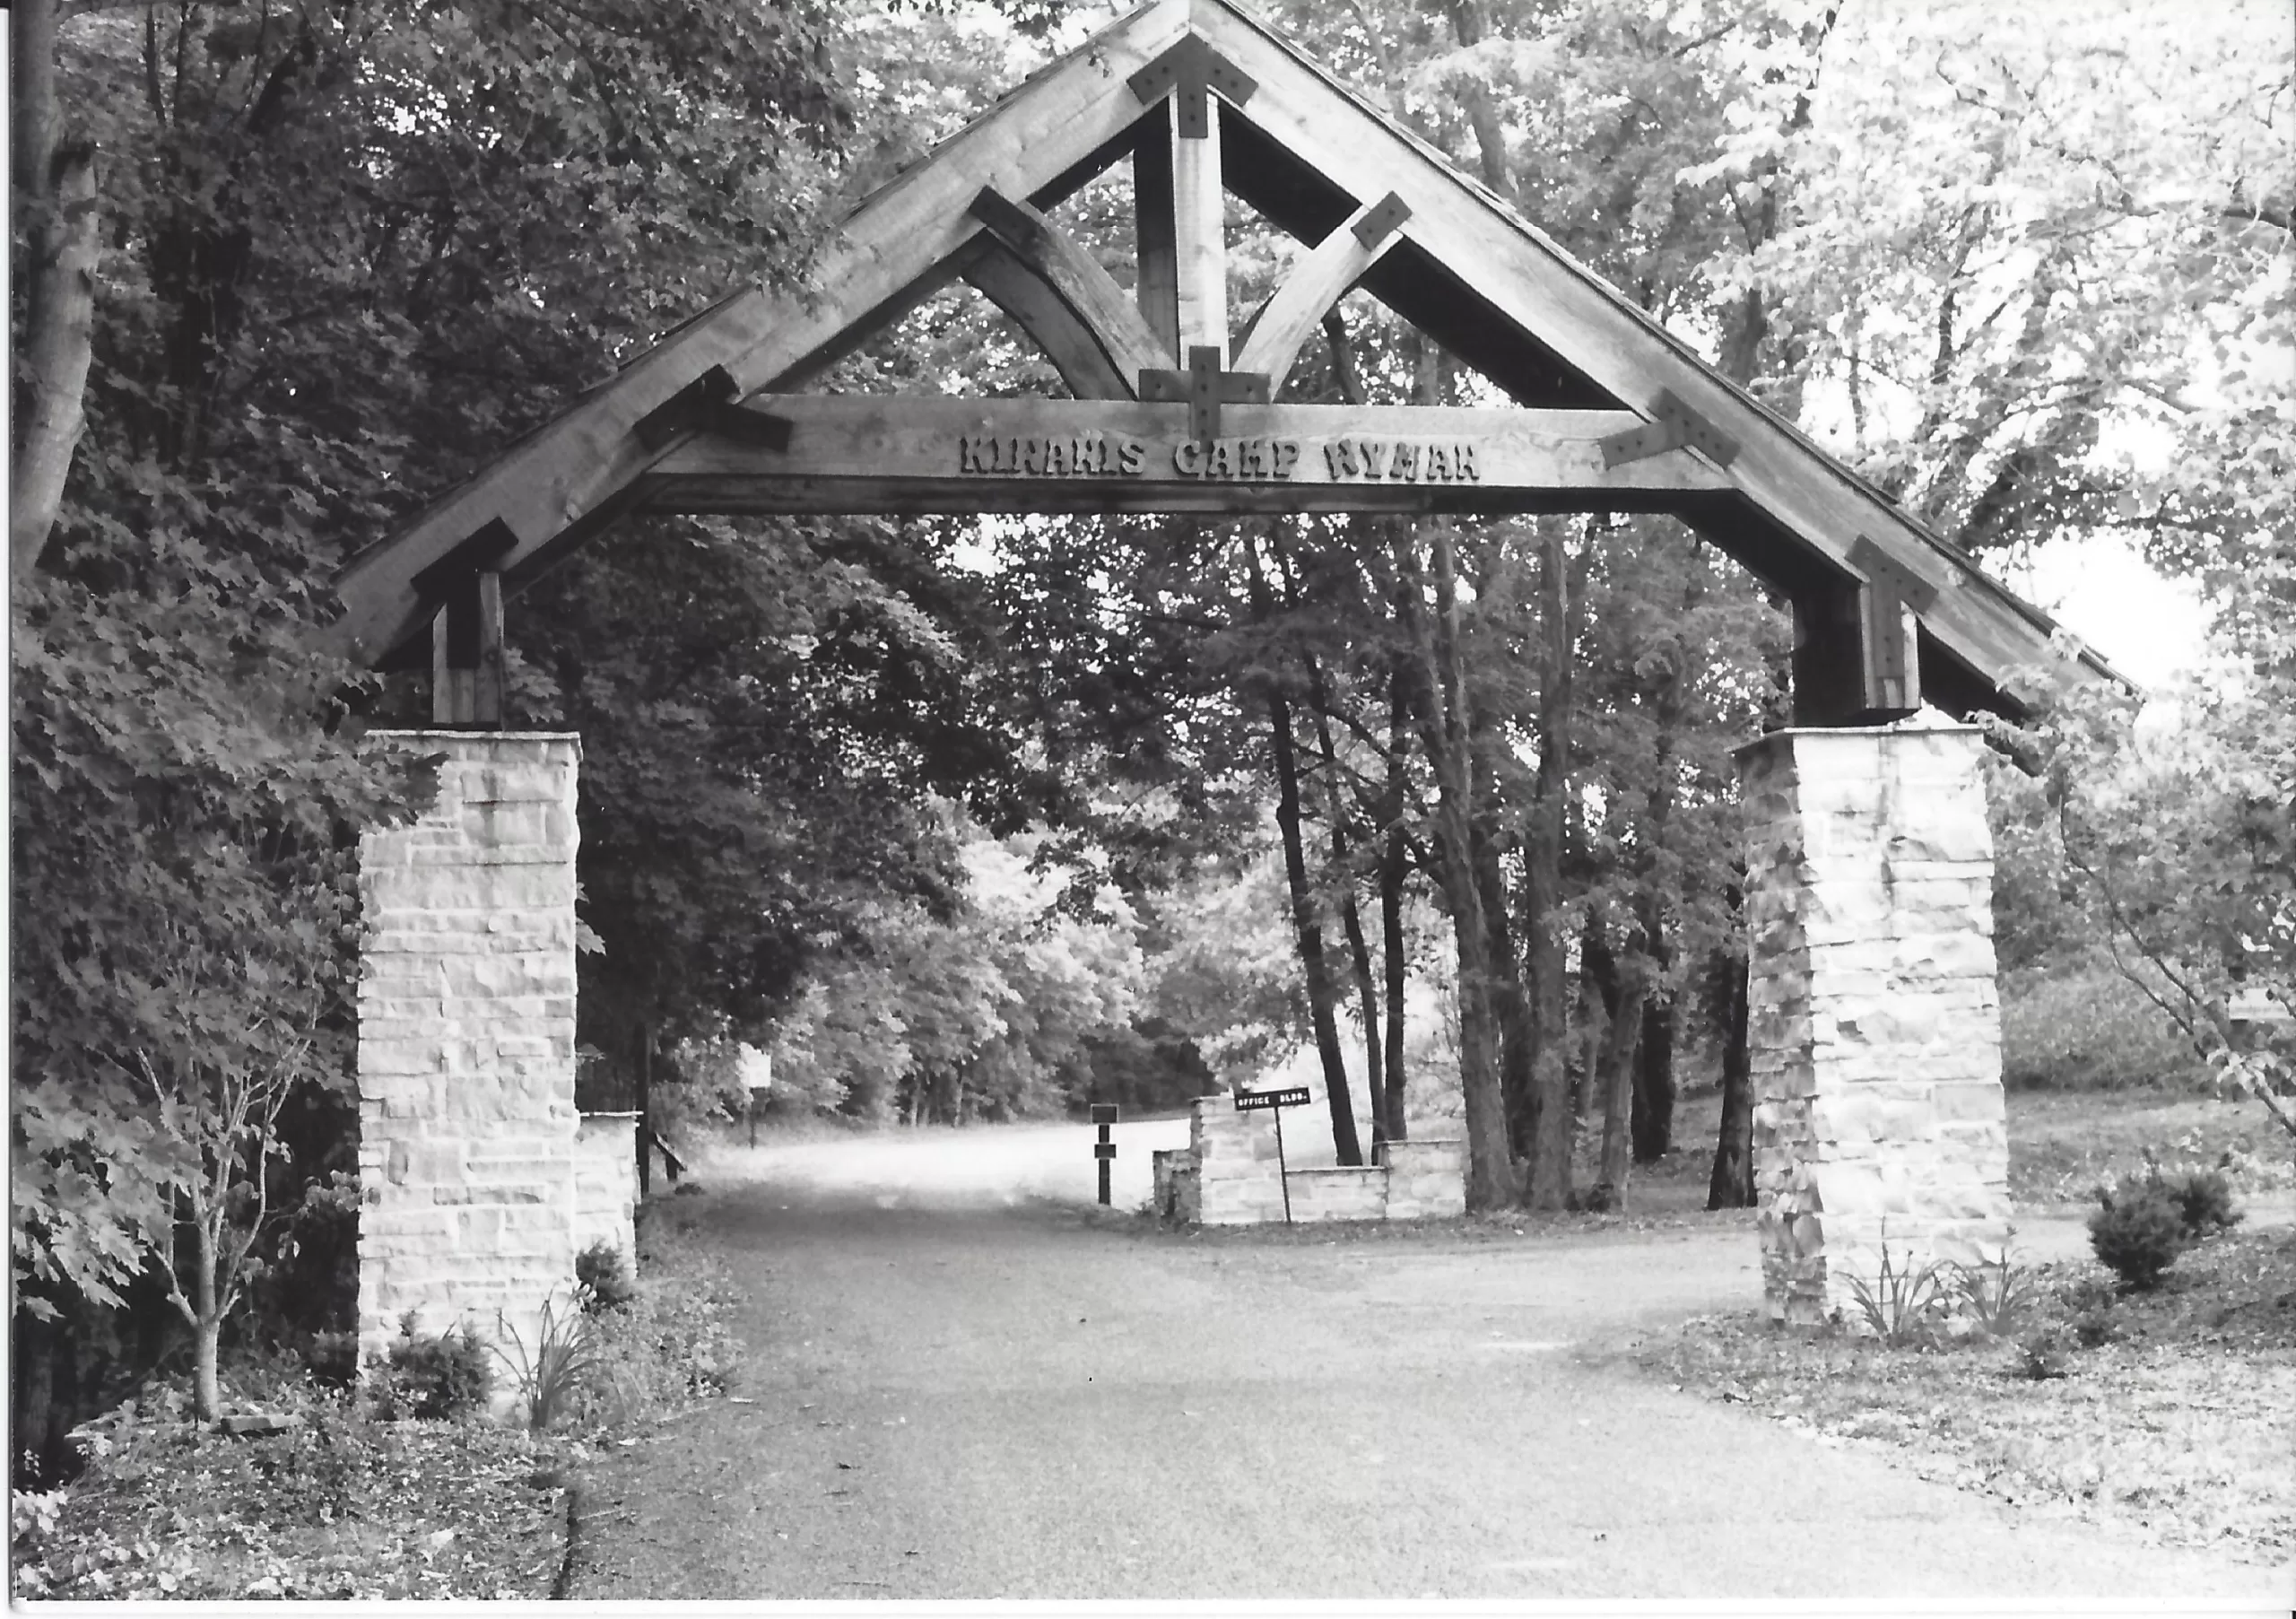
x=1802, y=509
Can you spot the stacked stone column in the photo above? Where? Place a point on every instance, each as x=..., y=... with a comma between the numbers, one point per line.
x=467, y=1126
x=1875, y=1014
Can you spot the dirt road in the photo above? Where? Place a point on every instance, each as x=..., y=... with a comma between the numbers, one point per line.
x=958, y=1395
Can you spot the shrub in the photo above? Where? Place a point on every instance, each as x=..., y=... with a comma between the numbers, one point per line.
x=2086, y=1027
x=2042, y=1353
x=673, y=1343
x=2095, y=1327
x=310, y=1283
x=2138, y=1232
x=602, y=1277
x=2202, y=1200
x=331, y=1358
x=443, y=1375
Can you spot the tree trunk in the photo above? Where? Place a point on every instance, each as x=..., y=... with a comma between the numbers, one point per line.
x=642, y=1098
x=1359, y=950
x=1655, y=1088
x=1618, y=1051
x=1323, y=999
x=1733, y=1182
x=207, y=1384
x=1511, y=1002
x=1492, y=1180
x=56, y=197
x=1322, y=996
x=1393, y=870
x=1550, y=1164
x=1597, y=1003
x=206, y=1327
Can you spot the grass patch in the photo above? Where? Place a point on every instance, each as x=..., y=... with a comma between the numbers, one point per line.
x=2063, y=1144
x=2172, y=1411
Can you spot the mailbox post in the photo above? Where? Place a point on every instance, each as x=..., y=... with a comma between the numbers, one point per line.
x=1104, y=1149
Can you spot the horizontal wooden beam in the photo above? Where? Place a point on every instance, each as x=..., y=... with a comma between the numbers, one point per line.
x=859, y=453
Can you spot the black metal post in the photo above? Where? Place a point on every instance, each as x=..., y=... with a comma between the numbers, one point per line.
x=1283, y=1173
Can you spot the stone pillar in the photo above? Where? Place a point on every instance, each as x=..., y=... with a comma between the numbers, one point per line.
x=1875, y=1019
x=605, y=1184
x=466, y=1117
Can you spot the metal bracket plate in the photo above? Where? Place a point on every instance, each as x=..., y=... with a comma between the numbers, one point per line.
x=1672, y=425
x=1192, y=67
x=1203, y=388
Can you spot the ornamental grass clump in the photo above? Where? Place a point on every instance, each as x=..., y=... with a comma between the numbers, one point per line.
x=564, y=1362
x=1996, y=1296
x=1904, y=1302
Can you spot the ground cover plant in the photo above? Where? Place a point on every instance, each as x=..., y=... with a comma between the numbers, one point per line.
x=399, y=1488
x=2171, y=1412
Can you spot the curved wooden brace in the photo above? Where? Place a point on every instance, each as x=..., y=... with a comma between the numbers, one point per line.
x=998, y=273
x=1102, y=309
x=1319, y=279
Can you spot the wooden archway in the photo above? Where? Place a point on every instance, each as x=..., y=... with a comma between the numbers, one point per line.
x=1175, y=407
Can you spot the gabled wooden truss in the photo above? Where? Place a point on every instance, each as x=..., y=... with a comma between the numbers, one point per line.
x=1176, y=409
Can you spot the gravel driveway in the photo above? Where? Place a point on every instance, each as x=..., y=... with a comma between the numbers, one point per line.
x=958, y=1395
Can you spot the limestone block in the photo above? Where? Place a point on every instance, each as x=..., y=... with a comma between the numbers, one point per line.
x=1338, y=1193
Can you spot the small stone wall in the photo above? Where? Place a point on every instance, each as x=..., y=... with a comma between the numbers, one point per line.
x=605, y=1184
x=1230, y=1175
x=1426, y=1180
x=1876, y=1017
x=466, y=1146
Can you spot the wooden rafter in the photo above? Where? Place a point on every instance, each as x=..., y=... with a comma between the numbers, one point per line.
x=1797, y=490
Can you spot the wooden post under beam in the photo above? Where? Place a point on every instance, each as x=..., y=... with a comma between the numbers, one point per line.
x=1200, y=238
x=466, y=655
x=1152, y=204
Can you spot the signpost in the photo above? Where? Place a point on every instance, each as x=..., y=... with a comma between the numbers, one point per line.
x=1104, y=1115
x=1275, y=1102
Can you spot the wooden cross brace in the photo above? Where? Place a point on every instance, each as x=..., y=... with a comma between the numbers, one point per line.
x=1195, y=70
x=1205, y=388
